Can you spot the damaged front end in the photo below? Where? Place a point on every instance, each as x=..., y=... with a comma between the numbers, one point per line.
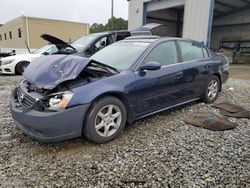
x=26, y=98
x=40, y=104
x=49, y=81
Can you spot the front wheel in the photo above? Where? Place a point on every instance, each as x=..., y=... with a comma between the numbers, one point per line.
x=212, y=90
x=20, y=67
x=105, y=120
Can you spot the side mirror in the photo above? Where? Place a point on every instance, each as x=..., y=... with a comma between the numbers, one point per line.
x=45, y=53
x=151, y=66
x=87, y=52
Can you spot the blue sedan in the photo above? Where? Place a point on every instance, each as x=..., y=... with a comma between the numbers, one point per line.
x=67, y=96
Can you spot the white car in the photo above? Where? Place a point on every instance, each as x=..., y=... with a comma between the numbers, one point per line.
x=17, y=63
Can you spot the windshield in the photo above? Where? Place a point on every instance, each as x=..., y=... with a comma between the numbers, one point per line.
x=120, y=55
x=41, y=50
x=83, y=42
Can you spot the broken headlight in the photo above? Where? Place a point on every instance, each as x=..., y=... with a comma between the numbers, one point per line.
x=60, y=100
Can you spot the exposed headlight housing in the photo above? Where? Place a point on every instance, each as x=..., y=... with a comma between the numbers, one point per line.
x=5, y=62
x=59, y=101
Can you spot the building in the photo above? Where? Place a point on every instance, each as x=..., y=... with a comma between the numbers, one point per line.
x=15, y=33
x=208, y=21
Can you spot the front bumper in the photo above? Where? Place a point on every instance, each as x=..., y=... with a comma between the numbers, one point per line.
x=49, y=126
x=5, y=69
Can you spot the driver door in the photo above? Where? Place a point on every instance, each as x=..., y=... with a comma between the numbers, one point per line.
x=160, y=88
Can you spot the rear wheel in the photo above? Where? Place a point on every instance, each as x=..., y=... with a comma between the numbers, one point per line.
x=212, y=90
x=105, y=120
x=20, y=67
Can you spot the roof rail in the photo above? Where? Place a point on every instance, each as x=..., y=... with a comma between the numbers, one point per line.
x=142, y=37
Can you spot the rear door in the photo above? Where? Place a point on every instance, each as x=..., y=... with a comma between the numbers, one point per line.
x=160, y=88
x=196, y=65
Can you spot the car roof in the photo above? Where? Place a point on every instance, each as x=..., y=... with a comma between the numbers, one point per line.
x=153, y=39
x=110, y=32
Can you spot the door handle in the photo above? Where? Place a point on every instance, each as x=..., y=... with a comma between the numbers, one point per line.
x=179, y=74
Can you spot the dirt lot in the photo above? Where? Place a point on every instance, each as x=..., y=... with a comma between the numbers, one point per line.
x=240, y=71
x=159, y=151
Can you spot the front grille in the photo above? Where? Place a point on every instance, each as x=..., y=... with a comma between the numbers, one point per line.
x=24, y=99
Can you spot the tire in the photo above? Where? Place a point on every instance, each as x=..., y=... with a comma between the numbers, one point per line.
x=101, y=124
x=212, y=89
x=20, y=67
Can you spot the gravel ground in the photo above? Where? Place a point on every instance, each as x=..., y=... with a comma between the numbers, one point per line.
x=159, y=151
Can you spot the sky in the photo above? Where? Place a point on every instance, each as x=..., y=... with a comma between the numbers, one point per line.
x=85, y=11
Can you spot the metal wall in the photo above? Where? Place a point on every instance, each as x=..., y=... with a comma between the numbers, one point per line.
x=197, y=15
x=198, y=19
x=164, y=4
x=137, y=9
x=135, y=15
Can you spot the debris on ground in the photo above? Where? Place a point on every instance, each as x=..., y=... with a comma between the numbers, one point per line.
x=210, y=121
x=232, y=110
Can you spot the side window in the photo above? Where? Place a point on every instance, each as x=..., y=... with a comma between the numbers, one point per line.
x=101, y=43
x=49, y=50
x=190, y=51
x=110, y=40
x=19, y=33
x=53, y=50
x=165, y=54
x=10, y=34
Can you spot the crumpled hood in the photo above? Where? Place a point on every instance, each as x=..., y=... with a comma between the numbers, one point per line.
x=49, y=71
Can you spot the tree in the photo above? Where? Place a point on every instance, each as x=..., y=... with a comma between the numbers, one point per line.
x=118, y=24
x=95, y=28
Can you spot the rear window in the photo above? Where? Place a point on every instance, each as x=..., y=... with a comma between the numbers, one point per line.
x=191, y=51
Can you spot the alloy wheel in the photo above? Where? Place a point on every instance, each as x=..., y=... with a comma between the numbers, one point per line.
x=108, y=120
x=22, y=66
x=213, y=88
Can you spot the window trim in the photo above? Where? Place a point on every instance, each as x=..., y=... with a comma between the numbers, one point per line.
x=152, y=48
